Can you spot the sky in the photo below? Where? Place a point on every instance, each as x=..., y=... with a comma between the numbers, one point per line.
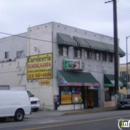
x=92, y=15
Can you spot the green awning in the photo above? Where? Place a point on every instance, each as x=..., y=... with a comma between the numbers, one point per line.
x=109, y=81
x=96, y=45
x=76, y=79
x=110, y=48
x=81, y=42
x=64, y=39
x=123, y=81
x=121, y=52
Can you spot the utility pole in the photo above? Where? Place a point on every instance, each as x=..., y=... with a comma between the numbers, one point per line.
x=116, y=56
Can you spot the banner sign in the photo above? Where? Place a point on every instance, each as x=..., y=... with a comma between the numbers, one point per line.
x=39, y=66
x=73, y=64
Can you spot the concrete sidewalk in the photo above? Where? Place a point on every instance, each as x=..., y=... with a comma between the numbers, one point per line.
x=53, y=113
x=92, y=110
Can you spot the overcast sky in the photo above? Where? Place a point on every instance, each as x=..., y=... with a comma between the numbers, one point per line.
x=92, y=15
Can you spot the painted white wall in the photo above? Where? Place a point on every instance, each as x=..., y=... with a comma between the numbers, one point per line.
x=41, y=38
x=13, y=44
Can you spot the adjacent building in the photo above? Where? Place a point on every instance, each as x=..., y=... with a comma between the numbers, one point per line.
x=56, y=60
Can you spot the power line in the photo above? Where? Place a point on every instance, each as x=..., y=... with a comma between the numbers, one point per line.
x=25, y=37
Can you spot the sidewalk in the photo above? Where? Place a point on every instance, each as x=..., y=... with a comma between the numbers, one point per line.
x=53, y=113
x=91, y=110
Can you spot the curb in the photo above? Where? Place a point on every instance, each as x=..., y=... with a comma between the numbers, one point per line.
x=90, y=111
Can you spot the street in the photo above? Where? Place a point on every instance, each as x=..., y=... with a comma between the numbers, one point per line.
x=58, y=121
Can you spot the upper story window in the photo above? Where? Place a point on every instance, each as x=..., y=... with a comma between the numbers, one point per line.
x=63, y=50
x=97, y=55
x=19, y=54
x=77, y=53
x=88, y=54
x=6, y=55
x=110, y=57
x=104, y=56
x=123, y=74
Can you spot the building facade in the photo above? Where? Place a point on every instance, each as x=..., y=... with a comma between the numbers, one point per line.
x=56, y=60
x=123, y=73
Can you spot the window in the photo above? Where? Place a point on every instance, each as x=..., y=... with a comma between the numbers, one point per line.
x=77, y=53
x=123, y=73
x=63, y=51
x=109, y=93
x=104, y=56
x=85, y=54
x=76, y=95
x=110, y=57
x=65, y=95
x=89, y=54
x=19, y=54
x=6, y=55
x=97, y=55
x=71, y=95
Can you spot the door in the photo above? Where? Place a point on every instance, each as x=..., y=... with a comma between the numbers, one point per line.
x=90, y=98
x=95, y=96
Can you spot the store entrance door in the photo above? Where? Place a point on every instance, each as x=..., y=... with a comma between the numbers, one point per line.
x=88, y=97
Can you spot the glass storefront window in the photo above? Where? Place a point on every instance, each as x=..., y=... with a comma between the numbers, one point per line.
x=76, y=95
x=66, y=95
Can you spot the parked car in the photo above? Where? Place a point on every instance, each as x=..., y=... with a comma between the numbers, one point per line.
x=35, y=102
x=124, y=103
x=14, y=104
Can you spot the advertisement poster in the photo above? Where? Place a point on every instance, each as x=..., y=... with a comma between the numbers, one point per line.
x=73, y=64
x=76, y=98
x=66, y=99
x=66, y=95
x=39, y=66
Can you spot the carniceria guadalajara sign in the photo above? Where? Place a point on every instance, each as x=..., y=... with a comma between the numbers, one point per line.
x=39, y=66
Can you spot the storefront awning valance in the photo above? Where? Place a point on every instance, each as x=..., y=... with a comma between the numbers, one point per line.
x=76, y=79
x=109, y=81
x=64, y=39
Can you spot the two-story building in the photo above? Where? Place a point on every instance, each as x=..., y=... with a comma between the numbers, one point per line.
x=54, y=59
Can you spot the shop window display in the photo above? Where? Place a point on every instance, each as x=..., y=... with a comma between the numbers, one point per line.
x=66, y=95
x=76, y=95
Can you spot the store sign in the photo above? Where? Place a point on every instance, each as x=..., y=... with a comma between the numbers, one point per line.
x=46, y=82
x=39, y=66
x=73, y=64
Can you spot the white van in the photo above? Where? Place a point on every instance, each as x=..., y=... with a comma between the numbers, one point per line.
x=14, y=104
x=35, y=102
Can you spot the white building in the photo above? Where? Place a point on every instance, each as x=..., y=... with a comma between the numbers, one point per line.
x=31, y=52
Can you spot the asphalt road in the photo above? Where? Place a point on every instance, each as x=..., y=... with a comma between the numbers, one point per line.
x=95, y=121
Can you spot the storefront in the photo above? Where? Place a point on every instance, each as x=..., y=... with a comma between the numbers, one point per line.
x=109, y=89
x=78, y=88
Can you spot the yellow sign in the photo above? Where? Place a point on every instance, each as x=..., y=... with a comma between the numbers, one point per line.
x=66, y=99
x=45, y=82
x=39, y=66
